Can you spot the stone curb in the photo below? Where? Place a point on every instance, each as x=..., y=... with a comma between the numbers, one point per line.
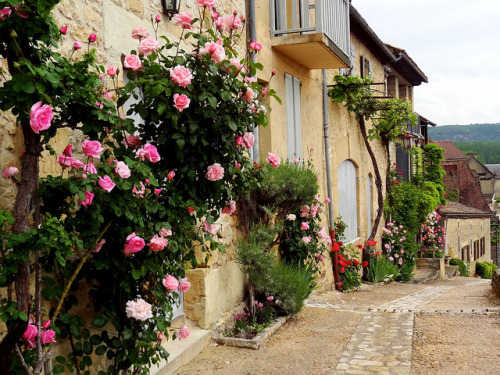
x=254, y=343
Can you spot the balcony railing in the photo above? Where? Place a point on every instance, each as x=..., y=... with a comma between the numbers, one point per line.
x=327, y=17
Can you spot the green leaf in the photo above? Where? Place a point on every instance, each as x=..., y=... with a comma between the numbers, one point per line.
x=136, y=274
x=53, y=78
x=23, y=316
x=99, y=321
x=232, y=125
x=213, y=101
x=28, y=87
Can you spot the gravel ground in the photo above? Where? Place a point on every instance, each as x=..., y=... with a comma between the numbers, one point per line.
x=313, y=341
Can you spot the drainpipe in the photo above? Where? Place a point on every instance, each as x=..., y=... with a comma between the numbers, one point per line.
x=331, y=220
x=252, y=30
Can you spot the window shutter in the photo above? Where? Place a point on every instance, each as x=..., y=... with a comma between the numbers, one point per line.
x=297, y=120
x=290, y=116
x=353, y=60
x=347, y=196
x=370, y=68
x=368, y=205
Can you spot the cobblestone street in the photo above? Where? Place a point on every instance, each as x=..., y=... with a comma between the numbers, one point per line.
x=427, y=328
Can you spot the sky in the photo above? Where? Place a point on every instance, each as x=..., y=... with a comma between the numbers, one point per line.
x=456, y=43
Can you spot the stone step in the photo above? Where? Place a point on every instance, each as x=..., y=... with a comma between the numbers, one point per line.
x=422, y=275
x=182, y=351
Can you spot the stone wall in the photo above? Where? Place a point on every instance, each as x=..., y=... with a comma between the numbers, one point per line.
x=495, y=282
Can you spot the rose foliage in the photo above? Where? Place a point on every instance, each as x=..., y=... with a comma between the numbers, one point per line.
x=108, y=238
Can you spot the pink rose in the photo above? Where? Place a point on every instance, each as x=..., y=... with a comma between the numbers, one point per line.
x=237, y=165
x=157, y=243
x=206, y=3
x=46, y=324
x=111, y=71
x=133, y=244
x=140, y=310
x=171, y=175
x=122, y=169
x=233, y=23
x=236, y=63
x=106, y=183
x=249, y=140
x=92, y=149
x=249, y=94
x=327, y=200
x=304, y=225
x=255, y=46
x=184, y=19
x=31, y=332
x=77, y=45
x=183, y=332
x=9, y=172
x=157, y=18
x=132, y=140
x=89, y=168
x=306, y=239
x=151, y=153
x=230, y=208
x=75, y=163
x=171, y=283
x=63, y=30
x=139, y=32
x=88, y=198
x=160, y=336
x=40, y=117
x=158, y=191
x=147, y=46
x=132, y=62
x=67, y=151
x=181, y=102
x=219, y=23
x=215, y=172
x=184, y=285
x=296, y=160
x=5, y=12
x=92, y=38
x=164, y=232
x=209, y=228
x=98, y=246
x=216, y=51
x=47, y=336
x=273, y=159
x=239, y=141
x=181, y=75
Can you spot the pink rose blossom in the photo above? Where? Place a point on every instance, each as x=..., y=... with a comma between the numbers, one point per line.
x=46, y=324
x=98, y=246
x=304, y=211
x=184, y=285
x=160, y=336
x=164, y=232
x=157, y=191
x=306, y=239
x=92, y=38
x=106, y=183
x=139, y=32
x=5, y=12
x=132, y=62
x=239, y=141
x=140, y=310
x=230, y=208
x=181, y=75
x=209, y=228
x=273, y=159
x=157, y=243
x=235, y=63
x=133, y=244
x=296, y=160
x=10, y=172
x=157, y=18
x=122, y=169
x=184, y=19
x=64, y=161
x=171, y=283
x=89, y=197
x=304, y=225
x=219, y=23
x=67, y=151
x=255, y=46
x=215, y=172
x=181, y=102
x=77, y=45
x=40, y=117
x=111, y=71
x=147, y=46
x=75, y=163
x=132, y=140
x=63, y=30
x=249, y=140
x=89, y=168
x=151, y=153
x=237, y=165
x=171, y=175
x=141, y=192
x=183, y=332
x=47, y=336
x=233, y=23
x=216, y=51
x=92, y=149
x=31, y=332
x=320, y=257
x=327, y=200
x=206, y=3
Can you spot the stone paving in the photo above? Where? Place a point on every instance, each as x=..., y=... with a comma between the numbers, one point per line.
x=382, y=341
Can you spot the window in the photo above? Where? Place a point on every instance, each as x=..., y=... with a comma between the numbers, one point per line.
x=293, y=123
x=347, y=197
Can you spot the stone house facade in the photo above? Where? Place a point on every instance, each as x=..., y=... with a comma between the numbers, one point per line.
x=305, y=60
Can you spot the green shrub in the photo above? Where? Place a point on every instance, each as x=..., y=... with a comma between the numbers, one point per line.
x=406, y=271
x=289, y=285
x=381, y=268
x=463, y=267
x=485, y=269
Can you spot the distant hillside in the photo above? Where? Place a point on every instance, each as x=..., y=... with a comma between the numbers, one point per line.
x=466, y=133
x=487, y=152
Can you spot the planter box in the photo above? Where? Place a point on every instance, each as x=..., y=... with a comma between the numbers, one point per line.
x=254, y=343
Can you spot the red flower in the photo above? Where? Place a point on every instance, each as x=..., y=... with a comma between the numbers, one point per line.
x=356, y=262
x=190, y=209
x=335, y=247
x=365, y=264
x=342, y=269
x=359, y=246
x=400, y=173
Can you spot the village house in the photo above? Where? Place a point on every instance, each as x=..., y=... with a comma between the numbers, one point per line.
x=307, y=43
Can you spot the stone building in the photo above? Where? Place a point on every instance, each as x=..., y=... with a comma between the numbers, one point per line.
x=307, y=43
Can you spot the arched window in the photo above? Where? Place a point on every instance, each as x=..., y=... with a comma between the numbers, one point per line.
x=348, y=192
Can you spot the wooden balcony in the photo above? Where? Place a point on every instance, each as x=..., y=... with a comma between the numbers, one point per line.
x=314, y=33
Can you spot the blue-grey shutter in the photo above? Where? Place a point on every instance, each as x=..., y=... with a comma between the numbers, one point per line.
x=293, y=122
x=368, y=204
x=347, y=198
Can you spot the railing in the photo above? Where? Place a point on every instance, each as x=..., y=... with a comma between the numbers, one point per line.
x=329, y=17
